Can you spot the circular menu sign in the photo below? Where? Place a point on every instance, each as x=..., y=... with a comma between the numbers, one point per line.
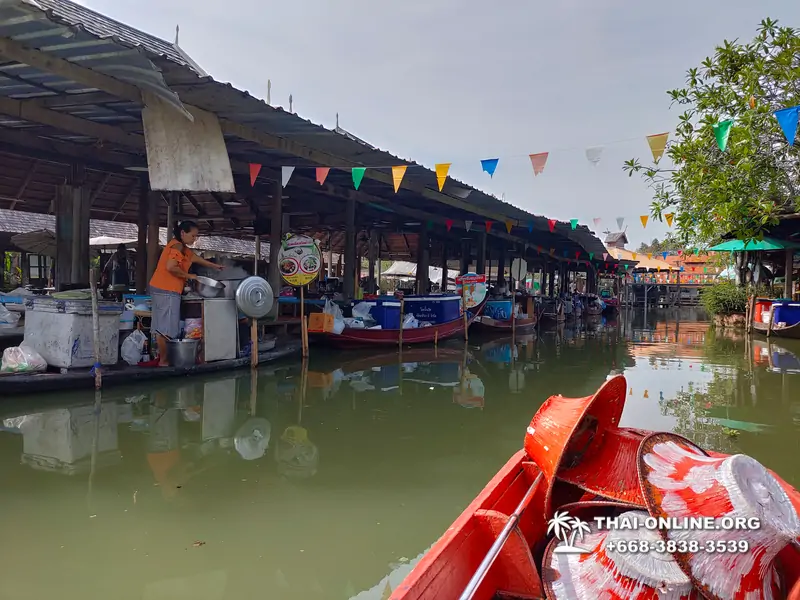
x=299, y=260
x=474, y=288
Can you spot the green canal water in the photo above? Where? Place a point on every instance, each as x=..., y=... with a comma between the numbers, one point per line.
x=170, y=493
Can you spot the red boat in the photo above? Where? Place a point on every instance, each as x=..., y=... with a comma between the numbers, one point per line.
x=496, y=548
x=361, y=338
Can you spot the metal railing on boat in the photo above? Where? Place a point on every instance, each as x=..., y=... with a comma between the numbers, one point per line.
x=494, y=551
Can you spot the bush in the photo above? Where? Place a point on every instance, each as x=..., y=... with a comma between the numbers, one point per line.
x=724, y=298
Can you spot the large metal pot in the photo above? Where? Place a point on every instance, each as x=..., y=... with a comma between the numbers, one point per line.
x=182, y=353
x=231, y=285
x=208, y=288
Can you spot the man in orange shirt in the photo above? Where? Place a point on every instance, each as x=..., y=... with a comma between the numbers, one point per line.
x=168, y=281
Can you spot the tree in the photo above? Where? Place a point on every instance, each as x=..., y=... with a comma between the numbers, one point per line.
x=745, y=188
x=668, y=244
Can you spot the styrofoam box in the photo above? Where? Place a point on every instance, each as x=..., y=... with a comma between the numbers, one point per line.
x=61, y=331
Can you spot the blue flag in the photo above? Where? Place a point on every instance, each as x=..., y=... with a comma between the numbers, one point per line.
x=787, y=119
x=489, y=165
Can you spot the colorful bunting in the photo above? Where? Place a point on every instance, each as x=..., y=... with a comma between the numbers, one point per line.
x=597, y=221
x=657, y=143
x=358, y=175
x=488, y=226
x=634, y=255
x=442, y=169
x=722, y=131
x=397, y=176
x=605, y=256
x=286, y=174
x=788, y=119
x=752, y=101
x=509, y=225
x=669, y=217
x=591, y=255
x=620, y=221
x=254, y=171
x=552, y=224
x=680, y=252
x=644, y=219
x=490, y=165
x=322, y=174
x=664, y=254
x=530, y=226
x=577, y=254
x=649, y=256
x=593, y=155
x=448, y=223
x=538, y=161
x=574, y=223
x=467, y=225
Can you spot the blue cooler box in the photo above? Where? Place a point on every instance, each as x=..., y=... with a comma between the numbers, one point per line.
x=385, y=311
x=434, y=309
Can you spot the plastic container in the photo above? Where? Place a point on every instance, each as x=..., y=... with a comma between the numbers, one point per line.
x=386, y=313
x=61, y=331
x=434, y=309
x=786, y=312
x=498, y=309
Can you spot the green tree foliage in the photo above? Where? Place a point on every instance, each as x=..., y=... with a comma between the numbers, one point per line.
x=668, y=244
x=743, y=189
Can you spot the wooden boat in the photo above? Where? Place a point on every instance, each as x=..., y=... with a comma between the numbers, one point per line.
x=513, y=500
x=488, y=325
x=768, y=317
x=363, y=338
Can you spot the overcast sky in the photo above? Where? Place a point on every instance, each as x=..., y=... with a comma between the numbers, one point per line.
x=460, y=80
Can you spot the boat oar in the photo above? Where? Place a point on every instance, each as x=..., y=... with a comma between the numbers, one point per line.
x=494, y=551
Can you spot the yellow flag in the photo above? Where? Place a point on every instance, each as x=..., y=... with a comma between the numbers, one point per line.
x=649, y=255
x=397, y=176
x=509, y=225
x=669, y=217
x=442, y=169
x=634, y=256
x=658, y=144
x=644, y=218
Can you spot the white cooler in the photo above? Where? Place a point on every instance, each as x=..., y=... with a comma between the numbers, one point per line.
x=61, y=331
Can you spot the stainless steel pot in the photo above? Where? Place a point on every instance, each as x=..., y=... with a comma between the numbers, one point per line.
x=231, y=285
x=208, y=288
x=182, y=353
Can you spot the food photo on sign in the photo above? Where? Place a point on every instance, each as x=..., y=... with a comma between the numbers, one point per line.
x=299, y=259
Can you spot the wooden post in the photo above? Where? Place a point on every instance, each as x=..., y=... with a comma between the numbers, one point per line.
x=464, y=307
x=98, y=376
x=771, y=317
x=402, y=318
x=436, y=337
x=751, y=315
x=303, y=327
x=513, y=324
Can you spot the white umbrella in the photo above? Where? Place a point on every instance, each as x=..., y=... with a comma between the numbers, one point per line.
x=107, y=240
x=41, y=242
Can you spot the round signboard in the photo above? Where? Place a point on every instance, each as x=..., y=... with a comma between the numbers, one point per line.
x=299, y=260
x=474, y=288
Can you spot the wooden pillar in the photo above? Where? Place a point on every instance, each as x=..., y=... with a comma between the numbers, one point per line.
x=63, y=210
x=466, y=255
x=551, y=268
x=787, y=286
x=153, y=206
x=141, y=242
x=350, y=266
x=423, y=260
x=481, y=266
x=172, y=209
x=275, y=233
x=372, y=257
x=501, y=264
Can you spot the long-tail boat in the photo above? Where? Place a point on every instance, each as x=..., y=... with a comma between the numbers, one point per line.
x=780, y=318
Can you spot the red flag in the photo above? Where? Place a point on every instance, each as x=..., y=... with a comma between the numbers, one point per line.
x=254, y=171
x=448, y=223
x=552, y=223
x=322, y=173
x=577, y=254
x=488, y=226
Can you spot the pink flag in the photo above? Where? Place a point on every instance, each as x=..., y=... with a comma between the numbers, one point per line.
x=605, y=255
x=322, y=173
x=538, y=161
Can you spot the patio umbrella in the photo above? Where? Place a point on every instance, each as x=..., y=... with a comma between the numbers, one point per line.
x=765, y=244
x=107, y=240
x=42, y=241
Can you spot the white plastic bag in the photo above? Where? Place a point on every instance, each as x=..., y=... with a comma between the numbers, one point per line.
x=22, y=359
x=8, y=318
x=331, y=308
x=132, y=348
x=410, y=322
x=362, y=310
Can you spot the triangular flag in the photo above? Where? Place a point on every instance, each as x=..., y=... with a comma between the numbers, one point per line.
x=530, y=226
x=605, y=255
x=620, y=221
x=752, y=101
x=429, y=224
x=644, y=219
x=442, y=169
x=490, y=165
x=322, y=174
x=467, y=225
x=669, y=217
x=577, y=254
x=788, y=119
x=664, y=254
x=658, y=144
x=722, y=131
x=538, y=161
x=552, y=224
x=591, y=255
x=574, y=223
x=634, y=256
x=680, y=252
x=597, y=221
x=649, y=255
x=254, y=171
x=593, y=154
x=286, y=174
x=448, y=223
x=697, y=251
x=488, y=226
x=509, y=225
x=358, y=175
x=626, y=267
x=645, y=394
x=397, y=176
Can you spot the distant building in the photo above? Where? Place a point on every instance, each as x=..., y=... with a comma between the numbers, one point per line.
x=616, y=240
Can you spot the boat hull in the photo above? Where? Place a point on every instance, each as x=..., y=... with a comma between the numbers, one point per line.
x=792, y=331
x=488, y=325
x=446, y=569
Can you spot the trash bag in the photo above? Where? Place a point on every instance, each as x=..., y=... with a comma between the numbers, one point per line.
x=132, y=348
x=331, y=308
x=410, y=322
x=362, y=310
x=8, y=318
x=22, y=359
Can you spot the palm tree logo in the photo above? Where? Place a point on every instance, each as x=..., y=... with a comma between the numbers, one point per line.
x=567, y=529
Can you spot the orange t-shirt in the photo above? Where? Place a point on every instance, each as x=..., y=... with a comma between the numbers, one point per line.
x=163, y=279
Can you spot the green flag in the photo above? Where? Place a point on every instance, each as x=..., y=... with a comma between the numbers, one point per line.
x=591, y=255
x=721, y=131
x=574, y=223
x=358, y=175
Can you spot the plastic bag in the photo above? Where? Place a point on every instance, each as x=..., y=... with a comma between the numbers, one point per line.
x=132, y=348
x=362, y=310
x=8, y=318
x=331, y=308
x=410, y=322
x=22, y=359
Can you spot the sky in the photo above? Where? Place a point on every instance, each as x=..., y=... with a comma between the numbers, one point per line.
x=457, y=81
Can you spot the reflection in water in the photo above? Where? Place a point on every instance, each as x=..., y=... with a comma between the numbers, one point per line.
x=321, y=479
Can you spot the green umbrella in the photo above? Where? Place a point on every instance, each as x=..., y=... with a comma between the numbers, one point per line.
x=765, y=244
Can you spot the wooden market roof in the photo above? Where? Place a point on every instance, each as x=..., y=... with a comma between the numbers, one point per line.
x=70, y=91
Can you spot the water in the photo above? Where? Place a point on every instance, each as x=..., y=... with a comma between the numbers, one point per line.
x=359, y=478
